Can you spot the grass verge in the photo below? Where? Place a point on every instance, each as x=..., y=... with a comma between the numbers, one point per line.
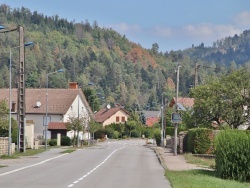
x=200, y=178
x=68, y=151
x=200, y=161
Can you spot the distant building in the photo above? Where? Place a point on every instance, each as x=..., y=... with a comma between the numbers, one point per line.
x=107, y=116
x=152, y=117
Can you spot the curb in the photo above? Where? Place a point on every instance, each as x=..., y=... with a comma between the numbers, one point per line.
x=158, y=155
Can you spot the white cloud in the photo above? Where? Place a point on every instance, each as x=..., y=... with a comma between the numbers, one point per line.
x=242, y=19
x=126, y=28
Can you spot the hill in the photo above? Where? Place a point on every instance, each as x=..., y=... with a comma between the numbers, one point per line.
x=124, y=72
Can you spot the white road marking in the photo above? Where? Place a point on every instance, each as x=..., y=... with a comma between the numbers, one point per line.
x=36, y=164
x=88, y=173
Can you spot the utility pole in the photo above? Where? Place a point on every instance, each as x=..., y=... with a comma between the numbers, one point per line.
x=21, y=92
x=176, y=124
x=196, y=75
x=162, y=118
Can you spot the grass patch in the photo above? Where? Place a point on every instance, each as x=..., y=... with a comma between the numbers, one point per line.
x=200, y=161
x=200, y=178
x=29, y=152
x=68, y=151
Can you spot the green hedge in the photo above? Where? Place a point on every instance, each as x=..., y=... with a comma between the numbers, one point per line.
x=232, y=155
x=65, y=141
x=200, y=141
x=157, y=136
x=170, y=130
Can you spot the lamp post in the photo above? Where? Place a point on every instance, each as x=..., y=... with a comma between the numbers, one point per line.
x=10, y=95
x=46, y=125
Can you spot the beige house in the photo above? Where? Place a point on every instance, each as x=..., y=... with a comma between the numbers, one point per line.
x=62, y=103
x=106, y=116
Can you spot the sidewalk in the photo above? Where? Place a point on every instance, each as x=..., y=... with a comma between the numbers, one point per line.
x=171, y=162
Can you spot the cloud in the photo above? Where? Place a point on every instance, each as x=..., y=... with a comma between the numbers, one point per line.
x=242, y=19
x=126, y=28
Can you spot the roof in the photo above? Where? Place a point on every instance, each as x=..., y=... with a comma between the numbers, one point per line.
x=151, y=121
x=59, y=100
x=185, y=101
x=104, y=114
x=149, y=114
x=56, y=126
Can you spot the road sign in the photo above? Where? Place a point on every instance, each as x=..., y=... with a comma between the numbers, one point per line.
x=176, y=117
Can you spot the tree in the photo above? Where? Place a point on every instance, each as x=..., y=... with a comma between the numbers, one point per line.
x=93, y=127
x=223, y=100
x=76, y=124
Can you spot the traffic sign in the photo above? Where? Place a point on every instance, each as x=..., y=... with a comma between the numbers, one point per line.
x=176, y=117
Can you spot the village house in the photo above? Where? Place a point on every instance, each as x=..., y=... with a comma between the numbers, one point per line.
x=61, y=104
x=108, y=115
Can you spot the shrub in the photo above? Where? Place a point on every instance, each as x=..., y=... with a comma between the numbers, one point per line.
x=170, y=130
x=65, y=141
x=148, y=132
x=200, y=141
x=135, y=133
x=110, y=132
x=100, y=133
x=53, y=142
x=232, y=155
x=157, y=136
x=116, y=134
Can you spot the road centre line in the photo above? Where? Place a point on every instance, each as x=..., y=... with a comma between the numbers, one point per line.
x=88, y=173
x=36, y=164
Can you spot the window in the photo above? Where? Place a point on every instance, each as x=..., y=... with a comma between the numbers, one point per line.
x=117, y=119
x=13, y=108
x=123, y=119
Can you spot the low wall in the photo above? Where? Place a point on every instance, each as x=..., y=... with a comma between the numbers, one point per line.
x=4, y=141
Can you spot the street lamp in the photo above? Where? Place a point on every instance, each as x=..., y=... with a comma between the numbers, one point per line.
x=46, y=125
x=10, y=97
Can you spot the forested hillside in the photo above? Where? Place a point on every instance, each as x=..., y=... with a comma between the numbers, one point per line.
x=124, y=72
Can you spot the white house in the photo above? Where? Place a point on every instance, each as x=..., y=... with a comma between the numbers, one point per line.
x=61, y=104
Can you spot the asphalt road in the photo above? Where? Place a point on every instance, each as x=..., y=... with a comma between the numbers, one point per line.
x=111, y=164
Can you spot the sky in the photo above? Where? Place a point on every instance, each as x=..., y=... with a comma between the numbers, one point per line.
x=172, y=24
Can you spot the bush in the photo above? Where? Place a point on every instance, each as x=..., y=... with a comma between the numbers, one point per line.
x=148, y=132
x=100, y=133
x=170, y=130
x=200, y=141
x=53, y=142
x=232, y=155
x=65, y=141
x=109, y=132
x=157, y=136
x=116, y=134
x=135, y=133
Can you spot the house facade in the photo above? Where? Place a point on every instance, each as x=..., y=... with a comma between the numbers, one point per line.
x=107, y=116
x=60, y=103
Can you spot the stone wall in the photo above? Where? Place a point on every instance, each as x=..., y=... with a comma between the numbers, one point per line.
x=4, y=141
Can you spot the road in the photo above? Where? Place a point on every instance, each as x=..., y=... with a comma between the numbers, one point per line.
x=109, y=164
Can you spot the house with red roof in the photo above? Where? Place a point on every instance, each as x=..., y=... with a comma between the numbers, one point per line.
x=108, y=115
x=184, y=101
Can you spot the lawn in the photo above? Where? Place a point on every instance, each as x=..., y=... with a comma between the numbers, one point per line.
x=200, y=178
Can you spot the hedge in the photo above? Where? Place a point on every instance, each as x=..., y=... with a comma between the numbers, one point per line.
x=232, y=155
x=200, y=141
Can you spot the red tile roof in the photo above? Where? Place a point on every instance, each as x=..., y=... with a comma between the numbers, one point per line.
x=151, y=121
x=185, y=101
x=56, y=126
x=105, y=114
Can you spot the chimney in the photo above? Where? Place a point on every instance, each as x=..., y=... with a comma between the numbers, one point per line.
x=73, y=85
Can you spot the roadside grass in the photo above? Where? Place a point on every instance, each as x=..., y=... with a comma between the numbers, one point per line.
x=200, y=161
x=200, y=178
x=68, y=151
x=29, y=152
